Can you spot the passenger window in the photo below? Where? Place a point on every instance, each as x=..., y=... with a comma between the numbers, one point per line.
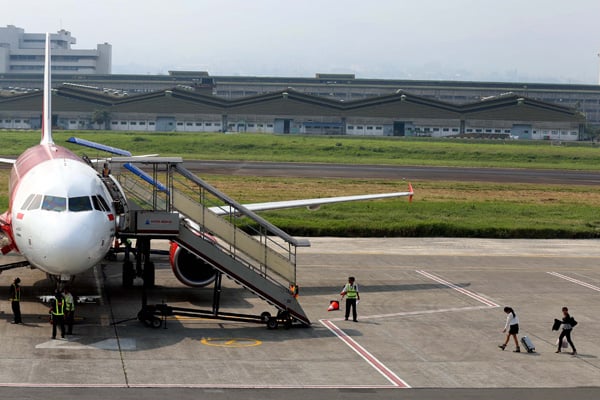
x=35, y=204
x=77, y=204
x=54, y=203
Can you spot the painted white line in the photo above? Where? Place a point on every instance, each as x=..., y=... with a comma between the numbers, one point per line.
x=411, y=313
x=475, y=296
x=187, y=385
x=368, y=357
x=581, y=283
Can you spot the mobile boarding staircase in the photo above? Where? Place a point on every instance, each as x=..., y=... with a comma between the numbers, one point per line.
x=170, y=202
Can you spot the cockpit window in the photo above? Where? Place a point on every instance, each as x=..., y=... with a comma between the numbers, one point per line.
x=35, y=203
x=54, y=203
x=27, y=202
x=97, y=204
x=77, y=204
x=104, y=203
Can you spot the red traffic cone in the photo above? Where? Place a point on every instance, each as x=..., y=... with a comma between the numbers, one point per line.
x=333, y=305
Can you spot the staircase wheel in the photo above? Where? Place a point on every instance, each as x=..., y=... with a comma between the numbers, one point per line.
x=272, y=323
x=265, y=316
x=155, y=323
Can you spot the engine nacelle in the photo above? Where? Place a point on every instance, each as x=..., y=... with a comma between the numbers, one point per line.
x=190, y=269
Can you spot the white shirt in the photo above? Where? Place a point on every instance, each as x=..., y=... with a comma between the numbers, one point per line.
x=511, y=320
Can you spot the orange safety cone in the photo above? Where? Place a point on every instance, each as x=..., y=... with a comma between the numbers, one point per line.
x=333, y=305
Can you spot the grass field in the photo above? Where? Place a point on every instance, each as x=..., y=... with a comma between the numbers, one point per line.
x=439, y=208
x=335, y=149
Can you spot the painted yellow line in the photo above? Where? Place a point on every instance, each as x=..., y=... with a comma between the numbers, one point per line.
x=231, y=342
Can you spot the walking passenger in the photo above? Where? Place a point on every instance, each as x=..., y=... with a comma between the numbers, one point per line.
x=568, y=323
x=512, y=325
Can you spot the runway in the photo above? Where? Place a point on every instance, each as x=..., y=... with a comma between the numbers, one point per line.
x=430, y=320
x=411, y=173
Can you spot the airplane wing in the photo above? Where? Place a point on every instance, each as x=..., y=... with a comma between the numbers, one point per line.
x=7, y=160
x=313, y=204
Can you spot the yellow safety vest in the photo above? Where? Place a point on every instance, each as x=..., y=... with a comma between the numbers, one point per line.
x=351, y=291
x=17, y=293
x=69, y=303
x=59, y=307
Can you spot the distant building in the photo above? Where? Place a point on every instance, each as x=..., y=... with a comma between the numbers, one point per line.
x=292, y=112
x=21, y=71
x=23, y=53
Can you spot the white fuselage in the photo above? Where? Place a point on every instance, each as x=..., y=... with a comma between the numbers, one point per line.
x=63, y=221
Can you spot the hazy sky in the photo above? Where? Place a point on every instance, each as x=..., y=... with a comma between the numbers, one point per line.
x=489, y=40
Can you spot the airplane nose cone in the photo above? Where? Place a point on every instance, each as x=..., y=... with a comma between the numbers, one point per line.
x=70, y=249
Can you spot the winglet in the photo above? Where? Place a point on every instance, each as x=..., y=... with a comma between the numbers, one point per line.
x=46, y=112
x=412, y=192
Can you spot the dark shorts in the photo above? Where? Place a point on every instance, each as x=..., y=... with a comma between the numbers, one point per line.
x=514, y=329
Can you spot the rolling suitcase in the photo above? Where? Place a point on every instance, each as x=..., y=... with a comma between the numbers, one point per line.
x=528, y=344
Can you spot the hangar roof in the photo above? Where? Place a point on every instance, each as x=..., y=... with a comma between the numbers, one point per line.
x=291, y=102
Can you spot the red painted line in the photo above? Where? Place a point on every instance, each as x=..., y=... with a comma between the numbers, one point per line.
x=368, y=357
x=475, y=296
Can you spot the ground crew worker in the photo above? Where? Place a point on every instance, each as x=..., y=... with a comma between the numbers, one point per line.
x=350, y=290
x=58, y=315
x=105, y=170
x=69, y=310
x=15, y=301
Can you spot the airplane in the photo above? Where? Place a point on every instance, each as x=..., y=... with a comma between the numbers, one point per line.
x=62, y=215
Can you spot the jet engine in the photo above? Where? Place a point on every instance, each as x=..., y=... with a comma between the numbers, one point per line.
x=190, y=269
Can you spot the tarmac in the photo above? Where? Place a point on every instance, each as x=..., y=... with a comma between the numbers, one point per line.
x=430, y=322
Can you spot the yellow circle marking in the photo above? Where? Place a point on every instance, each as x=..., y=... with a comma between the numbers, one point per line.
x=231, y=342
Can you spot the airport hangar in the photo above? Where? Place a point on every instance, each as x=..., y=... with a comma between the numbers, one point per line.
x=290, y=111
